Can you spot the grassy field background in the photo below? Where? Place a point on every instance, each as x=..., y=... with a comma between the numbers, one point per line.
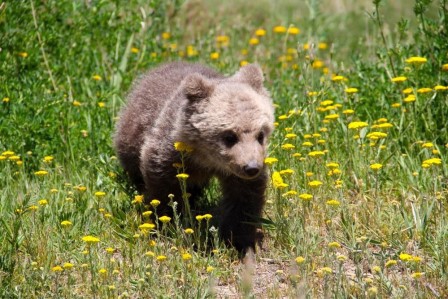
x=357, y=205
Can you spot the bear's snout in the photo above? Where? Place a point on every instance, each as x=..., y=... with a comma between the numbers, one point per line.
x=252, y=169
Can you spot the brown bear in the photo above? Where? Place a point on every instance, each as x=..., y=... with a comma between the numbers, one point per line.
x=225, y=120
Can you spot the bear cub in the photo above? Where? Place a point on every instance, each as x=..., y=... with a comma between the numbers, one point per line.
x=226, y=121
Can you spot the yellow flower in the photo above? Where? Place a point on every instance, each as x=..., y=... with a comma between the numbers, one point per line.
x=66, y=223
x=182, y=176
x=138, y=199
x=135, y=50
x=23, y=54
x=376, y=166
x=147, y=213
x=90, y=239
x=322, y=46
x=416, y=60
x=427, y=145
x=424, y=90
x=189, y=231
x=348, y=111
x=351, y=90
x=332, y=165
x=290, y=136
x=110, y=250
x=100, y=194
x=57, y=269
x=102, y=272
x=166, y=35
x=280, y=29
x=390, y=263
x=150, y=254
x=207, y=216
x=333, y=202
x=399, y=79
x=41, y=173
x=101, y=104
x=182, y=147
x=5, y=100
x=186, y=256
x=165, y=219
x=432, y=161
x=334, y=245
x=316, y=153
x=288, y=146
x=68, y=266
x=33, y=208
x=210, y=269
x=305, y=196
x=8, y=153
x=147, y=226
x=243, y=62
x=300, y=260
x=417, y=275
x=307, y=143
x=315, y=183
x=289, y=193
x=357, y=125
x=260, y=32
x=199, y=217
x=161, y=258
x=286, y=172
x=254, y=41
x=214, y=55
x=277, y=181
x=97, y=77
x=440, y=88
x=396, y=105
x=48, y=159
x=376, y=135
x=43, y=202
x=154, y=203
x=332, y=116
x=338, y=78
x=293, y=30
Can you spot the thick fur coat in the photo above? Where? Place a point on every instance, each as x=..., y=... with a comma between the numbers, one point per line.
x=225, y=120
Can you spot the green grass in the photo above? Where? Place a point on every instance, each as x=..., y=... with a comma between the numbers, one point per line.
x=66, y=67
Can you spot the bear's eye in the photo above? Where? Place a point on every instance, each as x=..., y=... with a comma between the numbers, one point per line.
x=229, y=139
x=260, y=137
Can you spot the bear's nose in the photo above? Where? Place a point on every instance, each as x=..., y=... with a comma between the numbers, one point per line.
x=251, y=169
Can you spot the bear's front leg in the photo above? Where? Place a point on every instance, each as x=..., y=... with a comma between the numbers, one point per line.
x=241, y=209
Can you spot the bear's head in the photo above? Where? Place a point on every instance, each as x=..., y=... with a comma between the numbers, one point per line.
x=227, y=121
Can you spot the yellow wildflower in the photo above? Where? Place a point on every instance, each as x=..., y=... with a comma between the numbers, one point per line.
x=41, y=173
x=293, y=30
x=97, y=77
x=66, y=223
x=214, y=55
x=280, y=29
x=154, y=203
x=90, y=239
x=189, y=231
x=334, y=245
x=416, y=60
x=260, y=32
x=270, y=160
x=376, y=166
x=299, y=260
x=182, y=147
x=351, y=90
x=186, y=256
x=165, y=219
x=277, y=181
x=333, y=202
x=399, y=79
x=138, y=199
x=357, y=125
x=161, y=258
x=100, y=194
x=57, y=269
x=315, y=183
x=182, y=176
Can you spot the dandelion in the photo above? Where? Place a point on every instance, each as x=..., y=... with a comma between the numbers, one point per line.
x=288, y=146
x=182, y=147
x=148, y=226
x=260, y=32
x=68, y=266
x=316, y=153
x=300, y=260
x=333, y=203
x=351, y=90
x=424, y=90
x=182, y=176
x=165, y=219
x=100, y=194
x=277, y=181
x=186, y=257
x=290, y=136
x=338, y=78
x=214, y=55
x=440, y=88
x=48, y=159
x=97, y=77
x=66, y=223
x=57, y=269
x=41, y=173
x=254, y=41
x=154, y=203
x=161, y=258
x=399, y=79
x=416, y=60
x=293, y=30
x=427, y=145
x=307, y=144
x=376, y=166
x=390, y=263
x=280, y=29
x=306, y=196
x=357, y=125
x=90, y=239
x=101, y=104
x=348, y=111
x=334, y=245
x=315, y=184
x=147, y=213
x=138, y=199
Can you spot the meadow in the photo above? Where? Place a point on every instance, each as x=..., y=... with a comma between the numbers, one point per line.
x=357, y=204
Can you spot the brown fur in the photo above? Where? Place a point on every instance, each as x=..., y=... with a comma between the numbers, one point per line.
x=226, y=120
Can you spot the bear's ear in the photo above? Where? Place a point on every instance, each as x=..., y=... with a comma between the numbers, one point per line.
x=197, y=87
x=251, y=74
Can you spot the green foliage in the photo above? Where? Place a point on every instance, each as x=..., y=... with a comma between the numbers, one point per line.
x=357, y=204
